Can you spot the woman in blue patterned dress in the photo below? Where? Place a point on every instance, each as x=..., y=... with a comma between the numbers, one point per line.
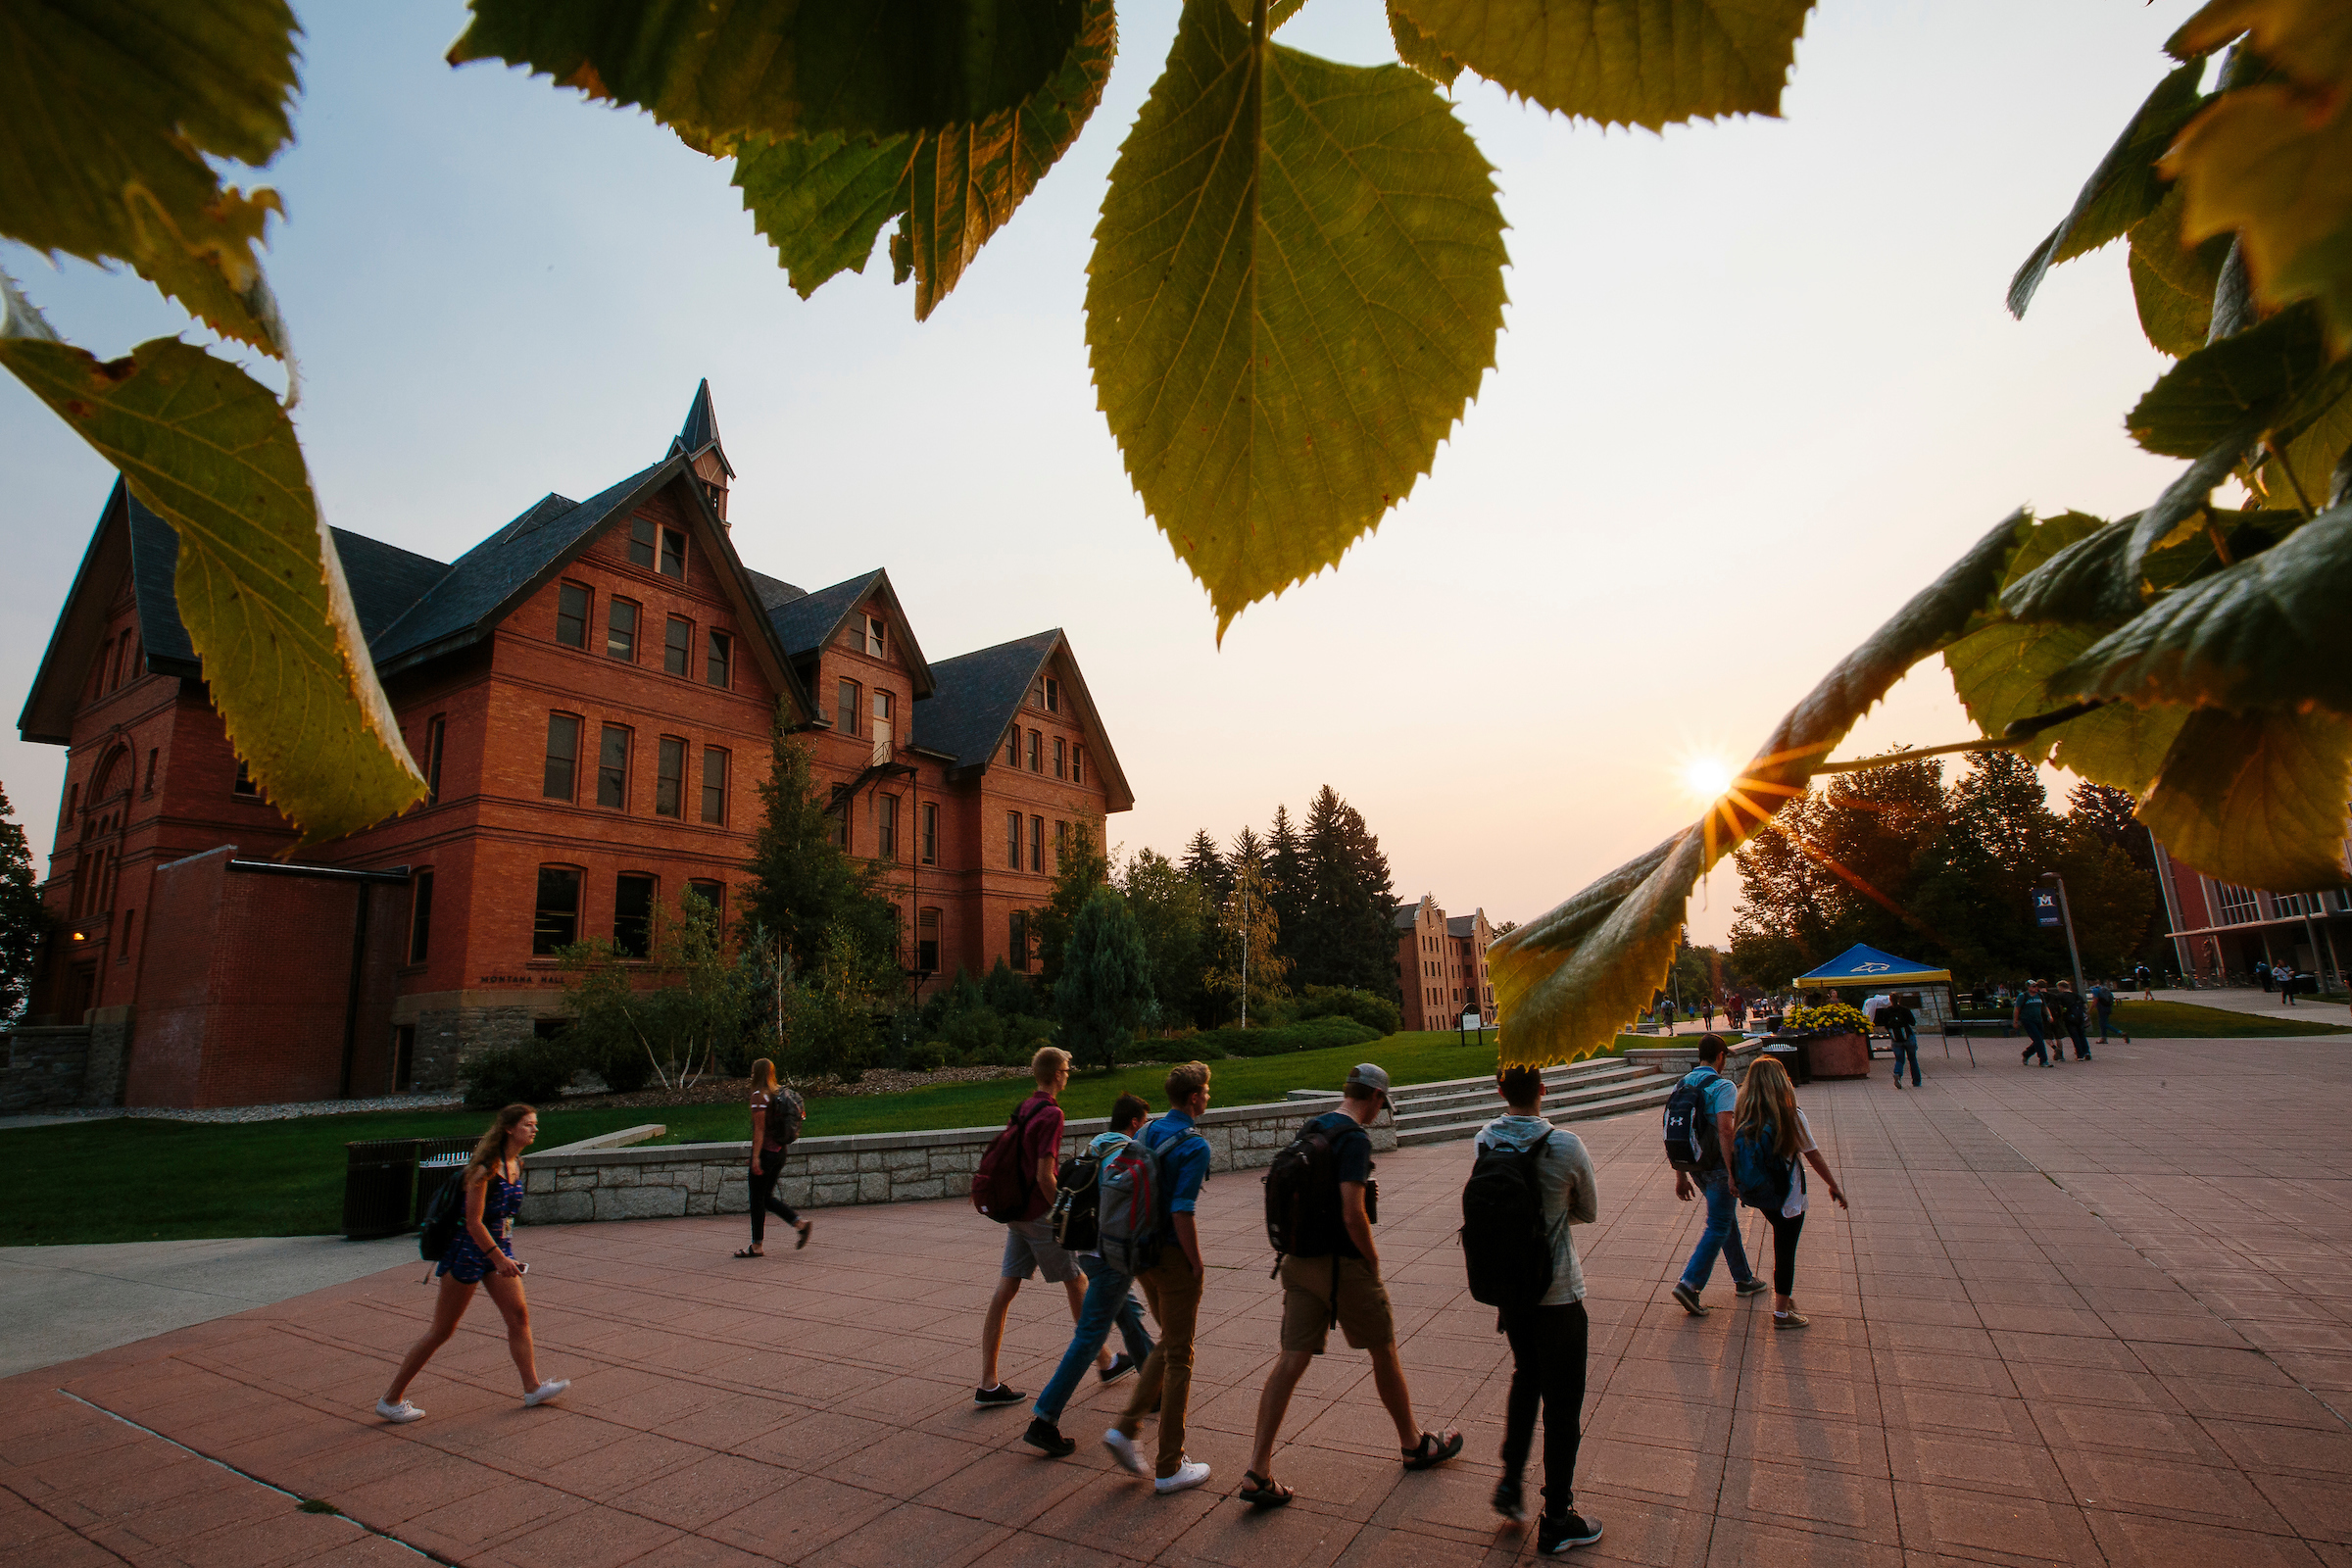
x=483, y=1253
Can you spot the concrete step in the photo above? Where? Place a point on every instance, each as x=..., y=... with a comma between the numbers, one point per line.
x=1482, y=1101
x=1640, y=1093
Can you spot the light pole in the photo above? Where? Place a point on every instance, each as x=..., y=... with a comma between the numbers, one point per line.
x=2068, y=917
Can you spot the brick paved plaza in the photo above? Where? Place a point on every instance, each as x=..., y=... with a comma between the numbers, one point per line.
x=2093, y=1314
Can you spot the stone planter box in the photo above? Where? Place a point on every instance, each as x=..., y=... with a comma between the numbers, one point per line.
x=1837, y=1057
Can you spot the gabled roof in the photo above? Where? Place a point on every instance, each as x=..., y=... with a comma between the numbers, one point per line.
x=1408, y=915
x=808, y=625
x=978, y=694
x=773, y=591
x=1461, y=925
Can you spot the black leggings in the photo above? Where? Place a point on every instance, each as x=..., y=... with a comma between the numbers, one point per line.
x=1547, y=1367
x=1784, y=1233
x=764, y=1200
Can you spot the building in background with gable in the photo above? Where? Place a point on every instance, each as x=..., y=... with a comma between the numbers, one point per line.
x=1442, y=966
x=592, y=693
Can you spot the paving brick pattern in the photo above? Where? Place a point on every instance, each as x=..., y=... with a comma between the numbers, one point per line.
x=2088, y=1314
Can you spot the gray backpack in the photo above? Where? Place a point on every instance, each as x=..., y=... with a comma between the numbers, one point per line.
x=1127, y=1210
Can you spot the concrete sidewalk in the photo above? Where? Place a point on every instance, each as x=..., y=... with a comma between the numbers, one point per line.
x=2259, y=1004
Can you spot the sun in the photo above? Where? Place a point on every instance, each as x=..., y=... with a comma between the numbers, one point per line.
x=1706, y=778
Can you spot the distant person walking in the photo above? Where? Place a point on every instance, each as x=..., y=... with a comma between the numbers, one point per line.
x=1550, y=1335
x=1902, y=1032
x=1735, y=1009
x=2145, y=978
x=776, y=1118
x=1666, y=1013
x=1022, y=1164
x=1710, y=1139
x=1340, y=1285
x=1706, y=1009
x=2291, y=981
x=1173, y=1288
x=1768, y=1121
x=2102, y=1001
x=482, y=1253
x=2068, y=1007
x=1108, y=1303
x=2262, y=974
x=2032, y=1014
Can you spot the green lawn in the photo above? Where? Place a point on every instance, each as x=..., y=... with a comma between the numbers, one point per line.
x=2186, y=1021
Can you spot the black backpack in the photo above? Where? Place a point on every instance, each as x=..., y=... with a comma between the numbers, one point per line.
x=1505, y=1243
x=1691, y=1130
x=1302, y=1196
x=442, y=1218
x=1077, y=1203
x=786, y=1110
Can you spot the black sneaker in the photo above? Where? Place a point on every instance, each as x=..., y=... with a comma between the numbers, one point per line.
x=1511, y=1502
x=1556, y=1533
x=1690, y=1299
x=1044, y=1436
x=1120, y=1365
x=999, y=1394
x=1755, y=1287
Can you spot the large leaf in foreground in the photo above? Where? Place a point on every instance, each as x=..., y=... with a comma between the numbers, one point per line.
x=1295, y=288
x=726, y=74
x=2173, y=283
x=2256, y=799
x=105, y=117
x=1566, y=982
x=822, y=200
x=2262, y=371
x=260, y=589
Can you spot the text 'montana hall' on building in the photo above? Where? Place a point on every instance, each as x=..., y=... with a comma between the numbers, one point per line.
x=591, y=692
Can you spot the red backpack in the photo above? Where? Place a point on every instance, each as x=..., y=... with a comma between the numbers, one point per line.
x=1003, y=1188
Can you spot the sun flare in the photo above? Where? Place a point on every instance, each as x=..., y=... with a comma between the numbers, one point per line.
x=1706, y=778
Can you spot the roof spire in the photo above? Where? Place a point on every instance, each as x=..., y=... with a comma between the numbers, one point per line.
x=700, y=432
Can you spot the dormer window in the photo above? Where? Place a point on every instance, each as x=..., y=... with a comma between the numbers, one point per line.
x=1052, y=695
x=869, y=631
x=1037, y=693
x=664, y=549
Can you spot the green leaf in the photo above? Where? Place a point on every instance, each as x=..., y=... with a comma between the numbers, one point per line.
x=2214, y=391
x=1419, y=50
x=2312, y=39
x=2272, y=631
x=1278, y=12
x=2002, y=673
x=1651, y=63
x=1295, y=288
x=1565, y=983
x=2256, y=799
x=823, y=199
x=2299, y=472
x=260, y=587
x=2122, y=190
x=726, y=74
x=106, y=116
x=2173, y=283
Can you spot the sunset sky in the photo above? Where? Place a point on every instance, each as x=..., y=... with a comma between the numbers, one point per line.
x=1756, y=387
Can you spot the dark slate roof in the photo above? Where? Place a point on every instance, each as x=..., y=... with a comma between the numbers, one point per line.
x=385, y=579
x=976, y=696
x=773, y=592
x=1407, y=915
x=154, y=552
x=476, y=589
x=700, y=429
x=1461, y=925
x=808, y=623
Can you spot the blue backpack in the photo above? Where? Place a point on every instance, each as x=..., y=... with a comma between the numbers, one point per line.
x=1759, y=1173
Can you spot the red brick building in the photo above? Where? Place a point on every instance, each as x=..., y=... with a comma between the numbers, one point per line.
x=1442, y=966
x=2220, y=928
x=591, y=692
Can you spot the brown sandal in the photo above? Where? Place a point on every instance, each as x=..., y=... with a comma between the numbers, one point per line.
x=1263, y=1491
x=751, y=1252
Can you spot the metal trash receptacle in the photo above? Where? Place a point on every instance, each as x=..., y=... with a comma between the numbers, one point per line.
x=1792, y=1055
x=434, y=1172
x=377, y=1182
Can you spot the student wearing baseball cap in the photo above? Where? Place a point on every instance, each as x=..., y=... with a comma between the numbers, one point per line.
x=1342, y=1286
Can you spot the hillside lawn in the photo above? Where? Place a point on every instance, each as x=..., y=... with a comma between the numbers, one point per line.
x=136, y=1179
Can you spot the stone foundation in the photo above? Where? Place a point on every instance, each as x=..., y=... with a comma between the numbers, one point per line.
x=45, y=1070
x=664, y=1182
x=448, y=1038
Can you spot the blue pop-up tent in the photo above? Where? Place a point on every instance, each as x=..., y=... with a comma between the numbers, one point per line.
x=1872, y=970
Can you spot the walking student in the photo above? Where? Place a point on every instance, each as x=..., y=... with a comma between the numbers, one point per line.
x=1029, y=1245
x=1902, y=1032
x=1106, y=1303
x=1342, y=1286
x=1172, y=1286
x=2032, y=1014
x=2067, y=1009
x=776, y=1118
x=2103, y=1001
x=1768, y=1119
x=1718, y=1095
x=1548, y=1336
x=2145, y=978
x=482, y=1253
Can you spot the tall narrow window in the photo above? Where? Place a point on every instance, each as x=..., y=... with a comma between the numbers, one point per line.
x=556, y=921
x=714, y=785
x=420, y=917
x=1037, y=693
x=1077, y=763
x=845, y=707
x=1060, y=757
x=621, y=631
x=1012, y=747
x=712, y=892
x=436, y=729
x=720, y=671
x=404, y=1056
x=926, y=942
x=130, y=920
x=1017, y=940
x=562, y=756
x=677, y=646
x=673, y=554
x=930, y=832
x=669, y=777
x=1037, y=843
x=571, y=615
x=1013, y=839
x=1053, y=696
x=644, y=537
x=1061, y=843
x=841, y=828
x=152, y=755
x=245, y=784
x=886, y=828
x=613, y=768
x=871, y=627
x=1036, y=752
x=633, y=915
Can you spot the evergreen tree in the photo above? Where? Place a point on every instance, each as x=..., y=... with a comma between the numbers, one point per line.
x=802, y=884
x=1106, y=980
x=1077, y=873
x=2108, y=814
x=1174, y=915
x=1248, y=849
x=1206, y=866
x=22, y=919
x=1287, y=887
x=1348, y=936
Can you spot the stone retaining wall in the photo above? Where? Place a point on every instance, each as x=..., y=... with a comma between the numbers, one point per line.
x=43, y=1068
x=663, y=1182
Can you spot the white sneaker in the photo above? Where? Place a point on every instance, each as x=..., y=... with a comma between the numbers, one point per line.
x=1189, y=1474
x=546, y=1392
x=1122, y=1448
x=397, y=1413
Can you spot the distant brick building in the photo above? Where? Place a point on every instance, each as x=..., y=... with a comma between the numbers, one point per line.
x=2221, y=927
x=1442, y=966
x=591, y=692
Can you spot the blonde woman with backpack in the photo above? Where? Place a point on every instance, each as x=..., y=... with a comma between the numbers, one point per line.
x=1767, y=1120
x=776, y=1116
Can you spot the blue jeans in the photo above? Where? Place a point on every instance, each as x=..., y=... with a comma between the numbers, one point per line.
x=1721, y=1233
x=2034, y=1033
x=1107, y=1301
x=1906, y=1044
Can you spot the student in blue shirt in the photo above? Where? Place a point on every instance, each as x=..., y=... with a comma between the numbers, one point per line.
x=1172, y=1286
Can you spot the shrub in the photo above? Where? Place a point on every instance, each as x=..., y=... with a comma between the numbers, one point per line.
x=535, y=1074
x=1375, y=1012
x=1318, y=1034
x=928, y=1056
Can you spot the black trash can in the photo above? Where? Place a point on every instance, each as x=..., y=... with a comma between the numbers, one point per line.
x=436, y=1170
x=376, y=1186
x=1790, y=1056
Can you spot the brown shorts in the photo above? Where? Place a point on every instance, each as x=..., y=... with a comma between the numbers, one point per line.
x=1366, y=1321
